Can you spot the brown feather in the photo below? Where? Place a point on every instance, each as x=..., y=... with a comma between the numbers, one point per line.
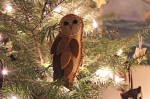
x=55, y=44
x=74, y=47
x=65, y=59
x=68, y=70
x=62, y=45
x=71, y=78
x=73, y=73
x=58, y=72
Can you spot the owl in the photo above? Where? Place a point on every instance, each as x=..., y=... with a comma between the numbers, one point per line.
x=132, y=94
x=67, y=49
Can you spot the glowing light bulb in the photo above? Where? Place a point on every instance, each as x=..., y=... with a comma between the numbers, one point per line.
x=65, y=89
x=76, y=12
x=38, y=79
x=103, y=73
x=118, y=79
x=119, y=52
x=58, y=9
x=95, y=23
x=46, y=64
x=13, y=97
x=8, y=8
x=4, y=71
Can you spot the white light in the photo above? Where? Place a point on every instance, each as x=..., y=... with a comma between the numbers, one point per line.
x=118, y=79
x=103, y=73
x=76, y=12
x=13, y=97
x=46, y=64
x=58, y=9
x=38, y=79
x=94, y=23
x=65, y=89
x=4, y=71
x=119, y=52
x=8, y=8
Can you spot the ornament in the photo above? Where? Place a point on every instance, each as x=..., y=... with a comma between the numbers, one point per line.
x=132, y=94
x=140, y=52
x=67, y=49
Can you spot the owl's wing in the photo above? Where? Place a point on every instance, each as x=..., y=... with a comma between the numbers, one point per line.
x=61, y=57
x=62, y=45
x=68, y=69
x=74, y=47
x=58, y=73
x=65, y=59
x=55, y=44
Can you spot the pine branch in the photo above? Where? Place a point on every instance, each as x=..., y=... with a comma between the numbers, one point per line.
x=52, y=5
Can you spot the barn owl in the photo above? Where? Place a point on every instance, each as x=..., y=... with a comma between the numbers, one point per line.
x=132, y=94
x=67, y=49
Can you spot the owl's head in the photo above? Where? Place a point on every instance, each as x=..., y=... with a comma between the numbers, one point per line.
x=71, y=25
x=132, y=94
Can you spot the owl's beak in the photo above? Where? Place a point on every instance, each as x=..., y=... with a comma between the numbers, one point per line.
x=71, y=26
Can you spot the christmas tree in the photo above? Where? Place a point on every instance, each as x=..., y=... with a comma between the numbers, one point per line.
x=28, y=29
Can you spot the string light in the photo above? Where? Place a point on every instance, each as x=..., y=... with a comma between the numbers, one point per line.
x=65, y=89
x=95, y=23
x=119, y=52
x=46, y=64
x=4, y=71
x=58, y=9
x=104, y=72
x=14, y=97
x=38, y=79
x=76, y=12
x=8, y=8
x=117, y=79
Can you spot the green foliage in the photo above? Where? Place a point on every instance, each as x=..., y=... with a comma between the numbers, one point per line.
x=31, y=28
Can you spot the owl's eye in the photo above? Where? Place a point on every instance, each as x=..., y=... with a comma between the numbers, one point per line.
x=66, y=23
x=74, y=21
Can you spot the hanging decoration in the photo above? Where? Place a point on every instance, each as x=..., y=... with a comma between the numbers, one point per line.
x=132, y=94
x=67, y=49
x=140, y=52
x=135, y=93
